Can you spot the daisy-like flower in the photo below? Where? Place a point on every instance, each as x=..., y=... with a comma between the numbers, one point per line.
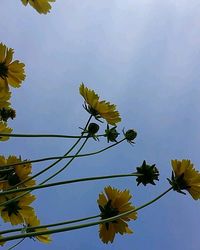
x=34, y=222
x=11, y=72
x=185, y=177
x=99, y=109
x=112, y=203
x=4, y=130
x=10, y=176
x=4, y=99
x=2, y=242
x=42, y=6
x=17, y=211
x=4, y=96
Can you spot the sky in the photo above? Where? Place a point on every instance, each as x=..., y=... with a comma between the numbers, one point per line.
x=142, y=56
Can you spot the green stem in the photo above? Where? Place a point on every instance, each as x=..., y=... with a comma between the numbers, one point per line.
x=44, y=170
x=64, y=229
x=50, y=225
x=66, y=165
x=41, y=135
x=45, y=135
x=67, y=182
x=16, y=244
x=50, y=166
x=61, y=157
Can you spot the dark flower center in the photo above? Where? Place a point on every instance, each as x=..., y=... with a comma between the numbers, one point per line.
x=182, y=184
x=108, y=211
x=13, y=179
x=12, y=207
x=3, y=70
x=9, y=174
x=178, y=183
x=93, y=111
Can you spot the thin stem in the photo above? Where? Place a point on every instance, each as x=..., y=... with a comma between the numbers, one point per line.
x=44, y=170
x=66, y=165
x=16, y=244
x=41, y=135
x=68, y=182
x=62, y=157
x=45, y=135
x=53, y=164
x=50, y=225
x=64, y=229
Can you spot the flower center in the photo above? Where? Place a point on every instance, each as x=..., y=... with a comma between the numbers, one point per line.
x=13, y=179
x=5, y=172
x=93, y=111
x=8, y=174
x=3, y=70
x=182, y=184
x=108, y=211
x=12, y=207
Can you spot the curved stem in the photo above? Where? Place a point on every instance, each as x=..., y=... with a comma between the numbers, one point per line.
x=61, y=157
x=53, y=164
x=64, y=229
x=50, y=225
x=16, y=244
x=68, y=182
x=66, y=165
x=44, y=170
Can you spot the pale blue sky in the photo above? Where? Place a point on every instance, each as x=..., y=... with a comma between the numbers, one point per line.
x=144, y=57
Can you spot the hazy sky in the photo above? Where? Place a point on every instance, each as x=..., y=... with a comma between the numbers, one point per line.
x=144, y=57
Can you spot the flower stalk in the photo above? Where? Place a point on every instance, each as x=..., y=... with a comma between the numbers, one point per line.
x=94, y=178
x=70, y=228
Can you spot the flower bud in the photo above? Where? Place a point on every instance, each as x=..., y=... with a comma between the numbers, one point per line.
x=130, y=135
x=93, y=128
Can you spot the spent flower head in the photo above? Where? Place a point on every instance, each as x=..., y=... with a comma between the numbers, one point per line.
x=111, y=203
x=111, y=134
x=149, y=173
x=99, y=109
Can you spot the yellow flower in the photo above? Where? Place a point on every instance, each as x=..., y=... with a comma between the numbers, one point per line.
x=4, y=96
x=112, y=203
x=42, y=6
x=2, y=242
x=34, y=222
x=186, y=178
x=17, y=211
x=10, y=72
x=4, y=130
x=99, y=109
x=14, y=174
